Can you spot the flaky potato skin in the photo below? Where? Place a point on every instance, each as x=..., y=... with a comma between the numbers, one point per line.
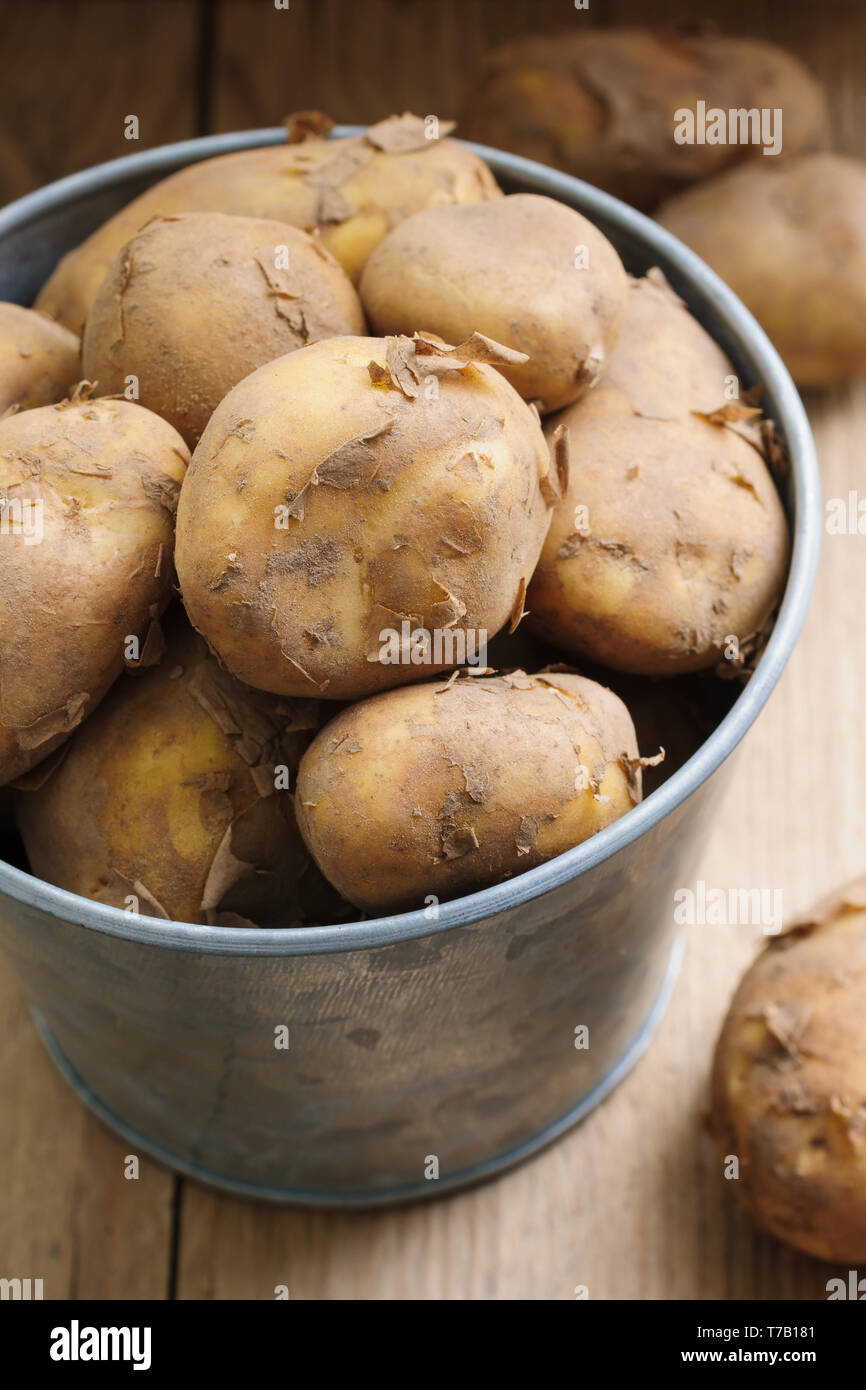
x=600, y=104
x=39, y=359
x=107, y=476
x=323, y=508
x=670, y=537
x=354, y=203
x=790, y=240
x=177, y=771
x=789, y=1084
x=508, y=269
x=442, y=789
x=196, y=302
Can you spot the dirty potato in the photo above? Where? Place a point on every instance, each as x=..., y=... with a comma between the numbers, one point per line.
x=443, y=789
x=669, y=548
x=355, y=494
x=603, y=104
x=196, y=302
x=39, y=359
x=88, y=492
x=790, y=240
x=789, y=1083
x=525, y=270
x=186, y=775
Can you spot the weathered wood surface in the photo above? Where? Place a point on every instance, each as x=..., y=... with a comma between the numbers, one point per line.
x=632, y=1204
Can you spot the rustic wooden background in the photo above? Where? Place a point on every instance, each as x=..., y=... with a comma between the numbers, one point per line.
x=632, y=1204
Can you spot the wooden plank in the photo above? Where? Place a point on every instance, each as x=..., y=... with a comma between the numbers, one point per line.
x=68, y=1215
x=80, y=68
x=358, y=62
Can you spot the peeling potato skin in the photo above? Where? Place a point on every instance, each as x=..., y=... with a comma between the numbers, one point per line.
x=438, y=518
x=505, y=269
x=39, y=359
x=278, y=182
x=789, y=1085
x=108, y=475
x=687, y=539
x=395, y=792
x=182, y=273
x=164, y=767
x=138, y=765
x=790, y=240
x=599, y=104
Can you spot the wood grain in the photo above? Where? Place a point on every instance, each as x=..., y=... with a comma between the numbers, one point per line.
x=68, y=1215
x=358, y=62
x=81, y=67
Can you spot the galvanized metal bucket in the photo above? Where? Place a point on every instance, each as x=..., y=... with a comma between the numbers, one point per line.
x=422, y=1054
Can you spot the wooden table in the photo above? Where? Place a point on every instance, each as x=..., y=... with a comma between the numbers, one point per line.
x=632, y=1204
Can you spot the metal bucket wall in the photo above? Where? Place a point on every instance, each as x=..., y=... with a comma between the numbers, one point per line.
x=409, y=1040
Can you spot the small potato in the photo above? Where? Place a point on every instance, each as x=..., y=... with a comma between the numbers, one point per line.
x=790, y=240
x=444, y=789
x=39, y=359
x=196, y=302
x=670, y=539
x=354, y=190
x=352, y=494
x=789, y=1083
x=88, y=492
x=179, y=770
x=602, y=104
x=525, y=270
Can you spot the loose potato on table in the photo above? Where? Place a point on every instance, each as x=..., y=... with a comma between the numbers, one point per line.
x=173, y=799
x=525, y=270
x=444, y=789
x=354, y=487
x=670, y=538
x=789, y=1083
x=88, y=492
x=790, y=240
x=39, y=359
x=602, y=104
x=196, y=302
x=354, y=190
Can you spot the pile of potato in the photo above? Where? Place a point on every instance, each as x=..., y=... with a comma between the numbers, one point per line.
x=785, y=228
x=382, y=367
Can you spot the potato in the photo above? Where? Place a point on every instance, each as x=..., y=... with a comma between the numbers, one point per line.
x=179, y=770
x=88, y=492
x=789, y=1083
x=526, y=270
x=39, y=360
x=354, y=190
x=444, y=789
x=258, y=289
x=601, y=104
x=670, y=539
x=790, y=240
x=353, y=494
